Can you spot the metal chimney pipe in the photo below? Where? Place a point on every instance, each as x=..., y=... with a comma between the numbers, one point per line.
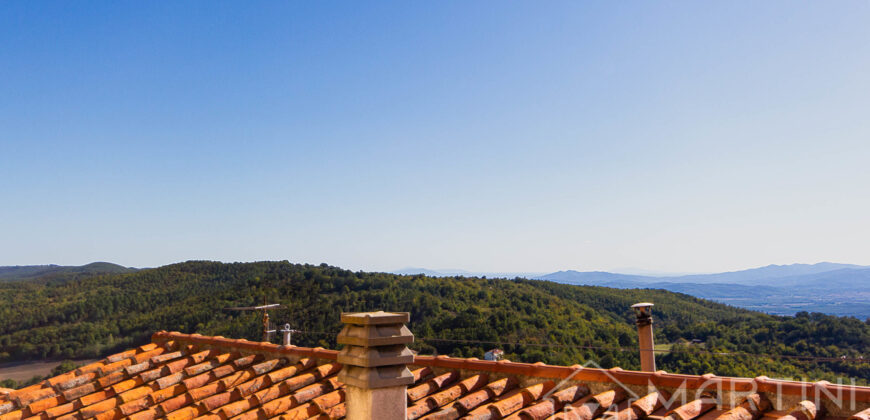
x=643, y=312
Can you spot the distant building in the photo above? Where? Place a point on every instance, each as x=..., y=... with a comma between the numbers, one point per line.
x=494, y=354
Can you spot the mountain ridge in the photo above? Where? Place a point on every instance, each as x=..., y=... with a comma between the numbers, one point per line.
x=831, y=288
x=26, y=272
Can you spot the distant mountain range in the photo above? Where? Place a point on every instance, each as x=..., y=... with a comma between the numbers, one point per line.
x=836, y=289
x=51, y=271
x=831, y=288
x=804, y=275
x=771, y=275
x=451, y=272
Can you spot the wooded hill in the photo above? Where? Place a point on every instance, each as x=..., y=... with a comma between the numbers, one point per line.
x=463, y=317
x=52, y=272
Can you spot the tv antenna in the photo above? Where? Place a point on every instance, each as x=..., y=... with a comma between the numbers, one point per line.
x=267, y=331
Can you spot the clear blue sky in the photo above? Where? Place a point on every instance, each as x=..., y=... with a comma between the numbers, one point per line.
x=527, y=136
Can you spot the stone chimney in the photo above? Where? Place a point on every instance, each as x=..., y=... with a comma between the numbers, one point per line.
x=374, y=360
x=643, y=312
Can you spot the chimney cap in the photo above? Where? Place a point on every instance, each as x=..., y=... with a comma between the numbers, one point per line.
x=642, y=311
x=375, y=318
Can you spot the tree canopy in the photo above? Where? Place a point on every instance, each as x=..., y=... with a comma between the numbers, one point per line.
x=530, y=320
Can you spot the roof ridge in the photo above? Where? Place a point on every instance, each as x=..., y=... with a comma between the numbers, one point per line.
x=195, y=377
x=542, y=370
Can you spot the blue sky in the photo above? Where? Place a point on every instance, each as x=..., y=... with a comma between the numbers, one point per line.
x=489, y=136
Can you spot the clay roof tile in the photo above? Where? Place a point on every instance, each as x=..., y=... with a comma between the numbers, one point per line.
x=120, y=356
x=63, y=409
x=45, y=404
x=186, y=413
x=134, y=406
x=166, y=357
x=692, y=409
x=238, y=407
x=158, y=397
x=752, y=408
x=327, y=401
x=98, y=407
x=431, y=386
x=147, y=355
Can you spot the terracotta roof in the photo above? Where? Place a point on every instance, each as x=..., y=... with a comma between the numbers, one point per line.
x=180, y=376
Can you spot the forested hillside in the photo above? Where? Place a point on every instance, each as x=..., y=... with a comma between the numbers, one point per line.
x=49, y=273
x=549, y=322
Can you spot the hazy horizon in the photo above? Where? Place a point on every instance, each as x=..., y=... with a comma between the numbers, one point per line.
x=678, y=137
x=461, y=271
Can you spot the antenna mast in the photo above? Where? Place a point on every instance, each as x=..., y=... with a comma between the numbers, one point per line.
x=267, y=331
